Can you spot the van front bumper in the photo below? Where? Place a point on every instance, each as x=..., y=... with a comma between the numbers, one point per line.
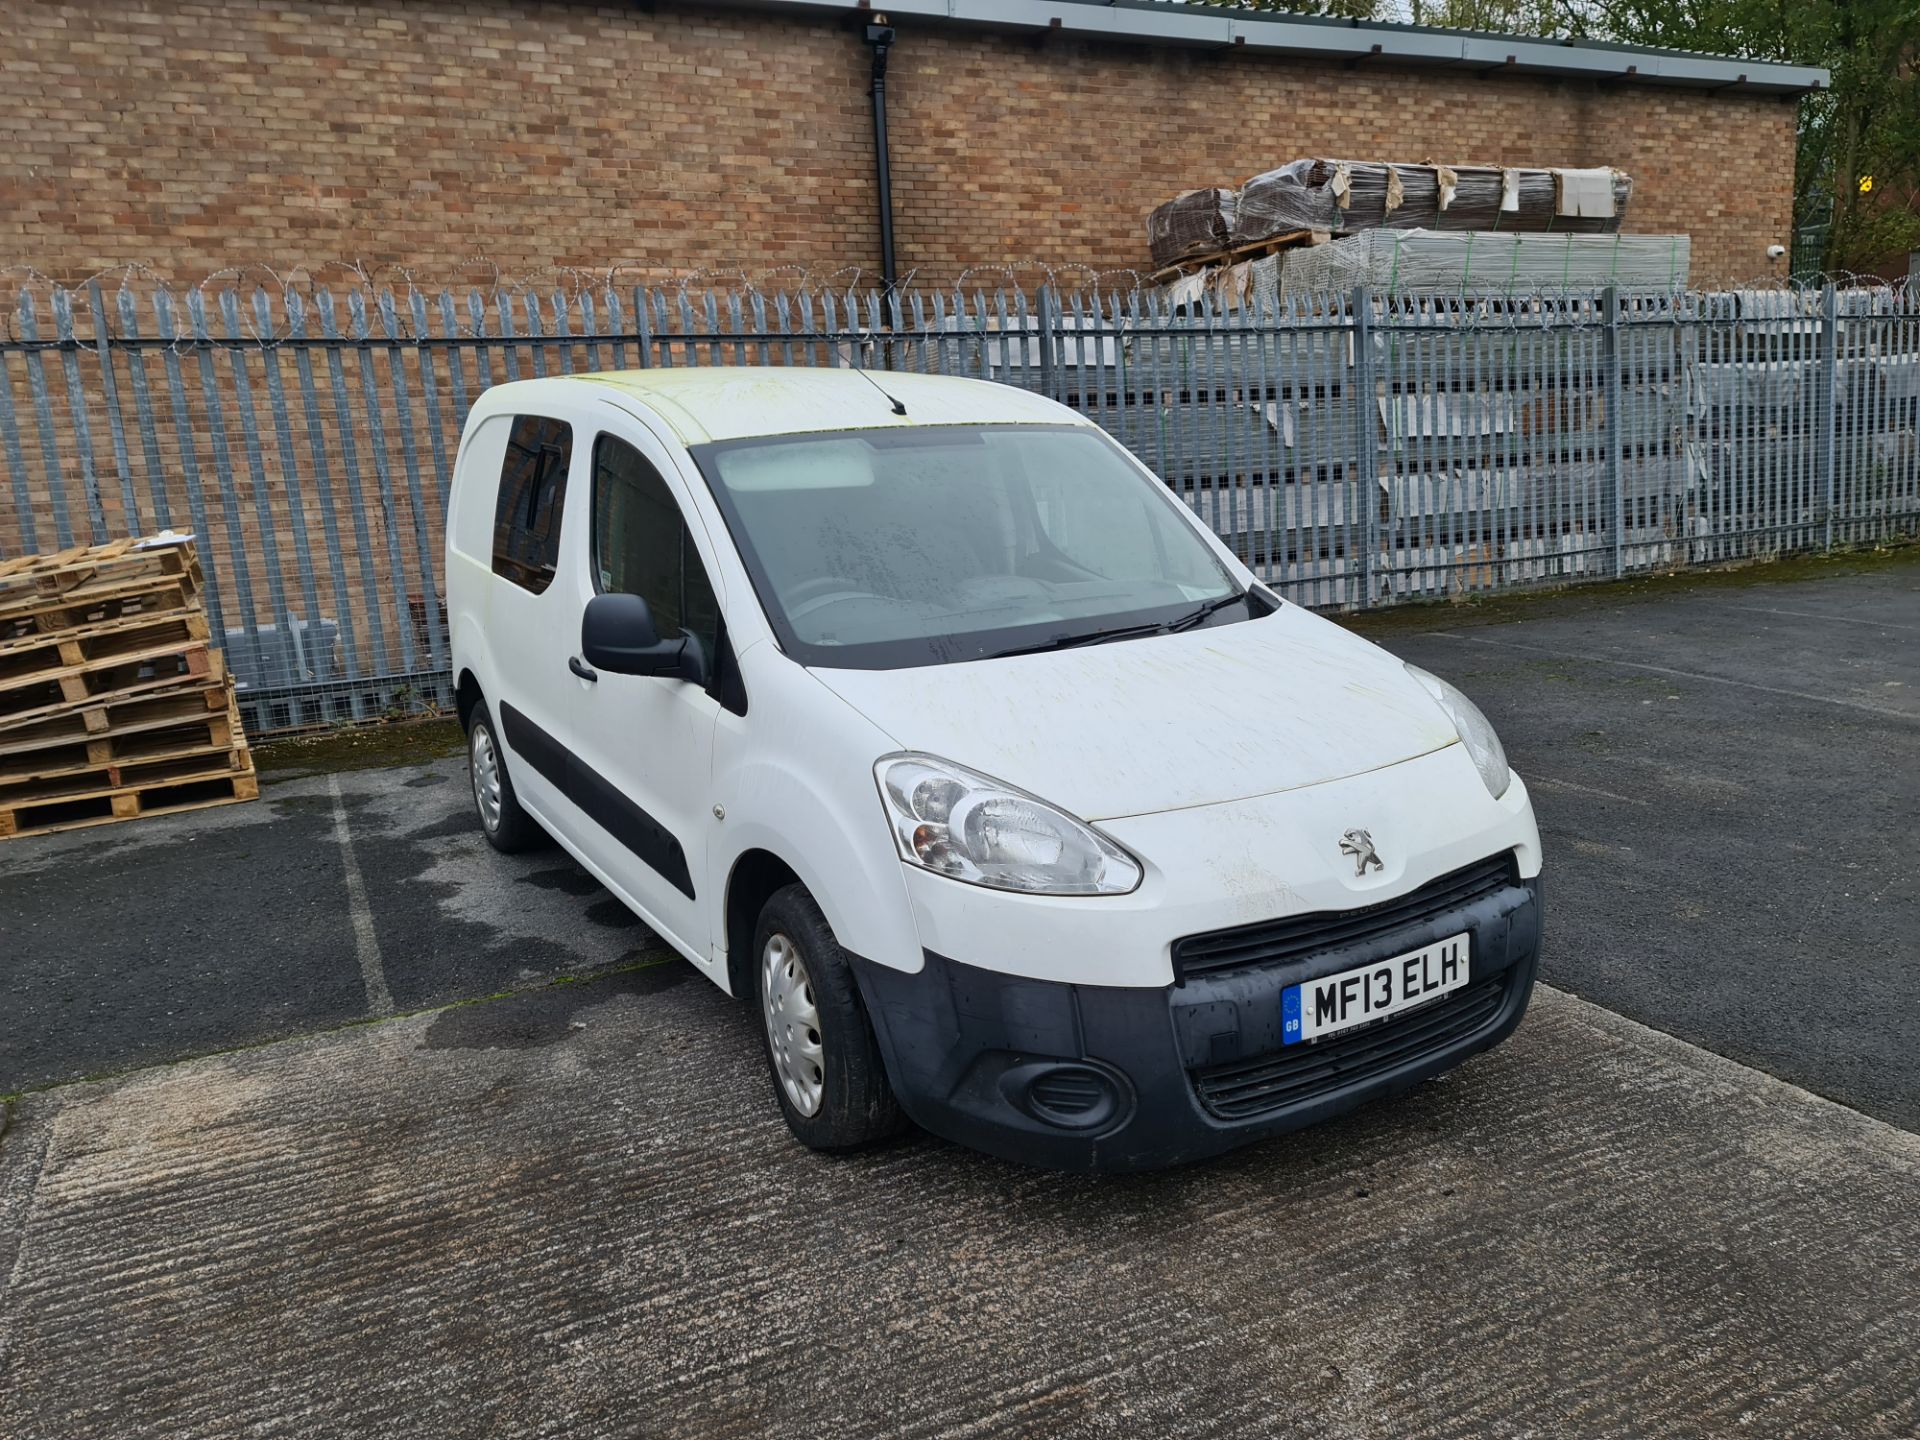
x=1110, y=1078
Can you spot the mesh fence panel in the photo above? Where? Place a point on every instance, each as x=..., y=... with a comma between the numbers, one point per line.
x=1355, y=450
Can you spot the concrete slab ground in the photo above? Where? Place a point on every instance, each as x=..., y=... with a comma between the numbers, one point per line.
x=575, y=1213
x=574, y=1210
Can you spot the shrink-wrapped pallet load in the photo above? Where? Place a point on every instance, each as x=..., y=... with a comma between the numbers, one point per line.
x=1194, y=223
x=1344, y=197
x=1485, y=262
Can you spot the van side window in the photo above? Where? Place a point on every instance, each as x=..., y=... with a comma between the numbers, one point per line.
x=533, y=492
x=641, y=546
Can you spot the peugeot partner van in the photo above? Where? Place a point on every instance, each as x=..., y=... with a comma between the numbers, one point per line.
x=919, y=715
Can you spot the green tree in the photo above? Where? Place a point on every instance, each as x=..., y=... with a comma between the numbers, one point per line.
x=1866, y=124
x=1504, y=17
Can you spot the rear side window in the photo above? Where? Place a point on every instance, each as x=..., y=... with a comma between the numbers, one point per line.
x=641, y=546
x=533, y=492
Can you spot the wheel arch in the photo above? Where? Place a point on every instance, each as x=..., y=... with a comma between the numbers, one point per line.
x=466, y=695
x=757, y=874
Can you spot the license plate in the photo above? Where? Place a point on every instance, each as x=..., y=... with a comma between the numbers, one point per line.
x=1314, y=1009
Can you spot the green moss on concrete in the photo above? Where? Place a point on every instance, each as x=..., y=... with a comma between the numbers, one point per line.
x=361, y=747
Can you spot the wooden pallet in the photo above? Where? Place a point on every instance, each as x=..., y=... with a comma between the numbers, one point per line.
x=66, y=569
x=164, y=795
x=183, y=726
x=112, y=597
x=1251, y=251
x=96, y=643
x=113, y=702
x=80, y=671
x=155, y=763
x=200, y=703
x=165, y=668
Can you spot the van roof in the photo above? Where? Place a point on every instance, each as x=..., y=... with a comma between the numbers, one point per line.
x=734, y=402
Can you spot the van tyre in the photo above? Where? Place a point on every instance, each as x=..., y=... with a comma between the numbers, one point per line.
x=508, y=828
x=826, y=1066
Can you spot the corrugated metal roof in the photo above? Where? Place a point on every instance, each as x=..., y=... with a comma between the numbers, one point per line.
x=1360, y=42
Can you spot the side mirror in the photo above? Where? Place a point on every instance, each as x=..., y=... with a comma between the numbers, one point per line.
x=617, y=634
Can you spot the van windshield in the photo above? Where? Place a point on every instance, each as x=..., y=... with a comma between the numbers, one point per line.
x=882, y=549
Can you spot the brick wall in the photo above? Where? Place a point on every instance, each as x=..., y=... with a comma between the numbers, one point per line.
x=196, y=135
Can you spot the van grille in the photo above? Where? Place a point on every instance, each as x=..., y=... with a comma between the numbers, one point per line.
x=1299, y=937
x=1248, y=1088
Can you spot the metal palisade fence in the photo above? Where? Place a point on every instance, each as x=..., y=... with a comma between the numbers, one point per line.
x=1355, y=449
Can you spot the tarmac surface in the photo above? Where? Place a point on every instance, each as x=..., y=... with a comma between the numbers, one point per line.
x=1727, y=782
x=575, y=1211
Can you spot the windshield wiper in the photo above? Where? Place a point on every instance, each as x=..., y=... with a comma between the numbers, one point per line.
x=1212, y=607
x=1123, y=632
x=1091, y=637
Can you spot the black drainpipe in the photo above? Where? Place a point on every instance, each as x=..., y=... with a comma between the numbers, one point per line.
x=880, y=37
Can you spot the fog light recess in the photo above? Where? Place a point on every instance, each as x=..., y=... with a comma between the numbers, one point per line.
x=1074, y=1097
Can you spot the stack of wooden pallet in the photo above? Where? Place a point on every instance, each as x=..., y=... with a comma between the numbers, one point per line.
x=112, y=702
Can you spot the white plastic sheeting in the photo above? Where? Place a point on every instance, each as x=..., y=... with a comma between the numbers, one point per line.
x=1416, y=261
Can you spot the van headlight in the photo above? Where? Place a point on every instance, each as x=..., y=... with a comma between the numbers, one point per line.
x=960, y=823
x=1489, y=758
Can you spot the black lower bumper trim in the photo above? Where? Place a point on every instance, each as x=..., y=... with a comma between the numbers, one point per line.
x=1235, y=1092
x=988, y=1059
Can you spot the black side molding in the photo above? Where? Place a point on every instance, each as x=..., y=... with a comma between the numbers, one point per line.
x=599, y=799
x=536, y=747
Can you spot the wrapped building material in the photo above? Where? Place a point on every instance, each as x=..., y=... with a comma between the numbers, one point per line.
x=1197, y=222
x=1263, y=281
x=1584, y=194
x=1428, y=261
x=1342, y=197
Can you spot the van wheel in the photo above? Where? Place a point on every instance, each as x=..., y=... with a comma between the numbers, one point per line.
x=826, y=1065
x=508, y=828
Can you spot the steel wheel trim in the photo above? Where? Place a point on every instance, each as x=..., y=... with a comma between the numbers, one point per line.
x=793, y=1024
x=485, y=766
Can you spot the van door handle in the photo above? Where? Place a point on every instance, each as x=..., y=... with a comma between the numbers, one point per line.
x=581, y=668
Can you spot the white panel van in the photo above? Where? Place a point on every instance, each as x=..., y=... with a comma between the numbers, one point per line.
x=918, y=714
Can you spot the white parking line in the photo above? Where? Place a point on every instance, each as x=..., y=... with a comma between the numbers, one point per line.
x=1871, y=709
x=1542, y=782
x=1820, y=615
x=366, y=945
